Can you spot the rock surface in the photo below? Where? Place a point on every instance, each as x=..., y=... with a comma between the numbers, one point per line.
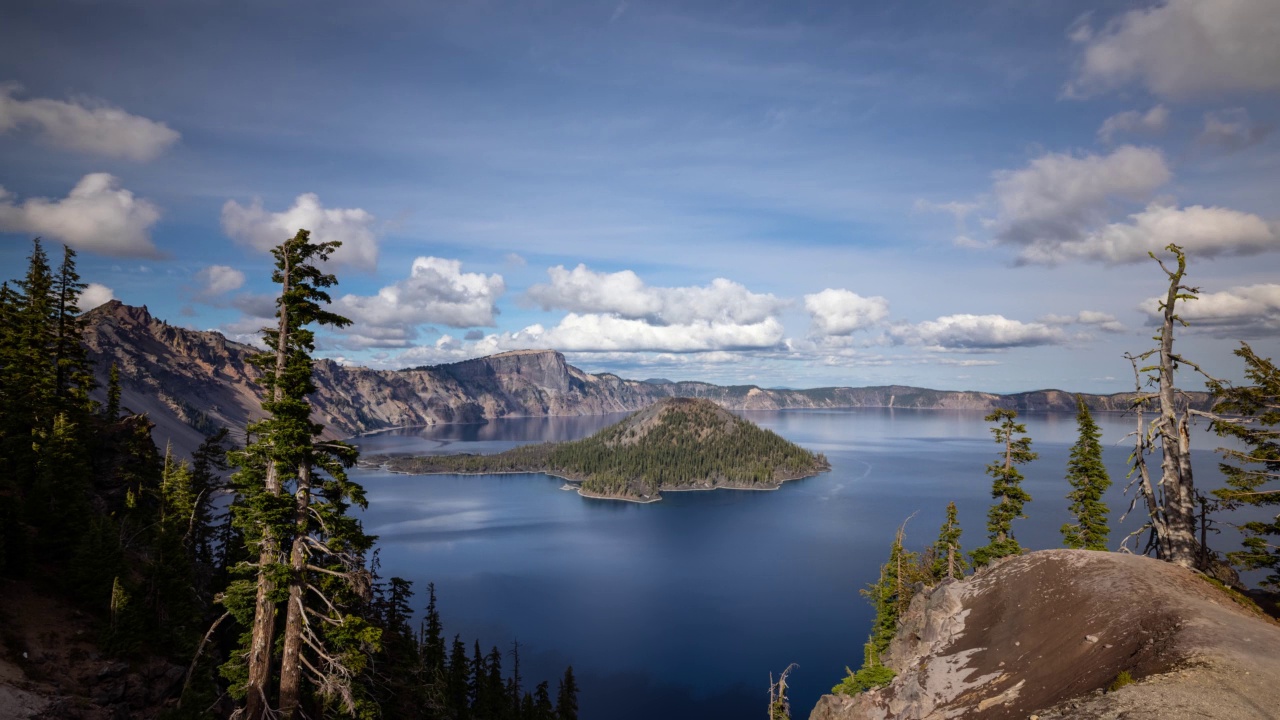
x=51, y=668
x=191, y=382
x=1046, y=633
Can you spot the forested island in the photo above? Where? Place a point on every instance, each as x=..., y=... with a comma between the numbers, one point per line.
x=674, y=444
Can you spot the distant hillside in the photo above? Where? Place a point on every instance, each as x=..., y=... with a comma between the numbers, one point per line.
x=674, y=444
x=190, y=382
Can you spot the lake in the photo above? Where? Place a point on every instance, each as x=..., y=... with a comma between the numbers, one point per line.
x=682, y=608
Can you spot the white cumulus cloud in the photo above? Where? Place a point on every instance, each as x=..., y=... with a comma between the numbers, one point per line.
x=436, y=291
x=85, y=125
x=842, y=312
x=583, y=290
x=262, y=230
x=93, y=295
x=1247, y=311
x=97, y=216
x=1058, y=195
x=1152, y=121
x=618, y=312
x=218, y=280
x=597, y=333
x=1201, y=231
x=1183, y=48
x=976, y=333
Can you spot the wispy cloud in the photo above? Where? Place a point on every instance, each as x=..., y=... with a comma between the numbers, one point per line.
x=1232, y=130
x=1152, y=121
x=85, y=125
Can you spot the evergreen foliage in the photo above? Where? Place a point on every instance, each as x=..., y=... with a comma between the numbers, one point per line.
x=294, y=493
x=112, y=409
x=890, y=595
x=948, y=557
x=92, y=513
x=1006, y=487
x=567, y=697
x=1252, y=472
x=1089, y=482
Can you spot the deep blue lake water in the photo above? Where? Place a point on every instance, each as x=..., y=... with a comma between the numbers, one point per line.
x=680, y=609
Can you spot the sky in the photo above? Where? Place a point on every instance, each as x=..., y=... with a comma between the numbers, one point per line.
x=800, y=194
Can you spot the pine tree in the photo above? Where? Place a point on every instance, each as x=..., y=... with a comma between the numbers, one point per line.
x=567, y=697
x=1253, y=472
x=30, y=408
x=14, y=553
x=433, y=651
x=1006, y=487
x=475, y=691
x=1089, y=482
x=324, y=575
x=459, y=678
x=73, y=373
x=890, y=595
x=112, y=409
x=542, y=707
x=948, y=558
x=208, y=463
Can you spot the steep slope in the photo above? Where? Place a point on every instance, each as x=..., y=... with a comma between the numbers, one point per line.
x=1043, y=633
x=191, y=381
x=674, y=444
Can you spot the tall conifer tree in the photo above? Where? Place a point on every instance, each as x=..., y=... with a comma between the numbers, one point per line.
x=948, y=558
x=73, y=373
x=1252, y=469
x=1089, y=482
x=567, y=697
x=323, y=578
x=1006, y=486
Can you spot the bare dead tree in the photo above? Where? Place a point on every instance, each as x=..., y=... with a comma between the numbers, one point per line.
x=779, y=704
x=1171, y=503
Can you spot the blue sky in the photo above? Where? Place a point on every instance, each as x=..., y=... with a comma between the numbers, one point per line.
x=955, y=195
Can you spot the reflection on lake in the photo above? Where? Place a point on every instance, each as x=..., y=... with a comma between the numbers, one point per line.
x=680, y=609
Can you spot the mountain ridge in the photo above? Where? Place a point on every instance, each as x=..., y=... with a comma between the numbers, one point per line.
x=192, y=381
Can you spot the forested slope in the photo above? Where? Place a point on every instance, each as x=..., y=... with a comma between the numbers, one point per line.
x=674, y=444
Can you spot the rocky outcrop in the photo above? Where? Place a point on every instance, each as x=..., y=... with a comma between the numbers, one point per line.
x=1045, y=634
x=50, y=667
x=190, y=382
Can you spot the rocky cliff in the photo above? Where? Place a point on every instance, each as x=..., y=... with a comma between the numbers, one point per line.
x=191, y=382
x=1046, y=634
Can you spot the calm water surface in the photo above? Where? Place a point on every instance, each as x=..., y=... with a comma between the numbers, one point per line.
x=680, y=609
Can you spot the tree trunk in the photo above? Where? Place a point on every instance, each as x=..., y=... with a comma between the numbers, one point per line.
x=1179, y=489
x=290, y=662
x=264, y=613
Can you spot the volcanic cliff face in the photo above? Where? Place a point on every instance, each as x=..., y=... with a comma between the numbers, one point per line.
x=1043, y=634
x=191, y=382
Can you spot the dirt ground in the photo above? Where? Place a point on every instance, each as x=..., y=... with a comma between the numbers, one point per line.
x=50, y=666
